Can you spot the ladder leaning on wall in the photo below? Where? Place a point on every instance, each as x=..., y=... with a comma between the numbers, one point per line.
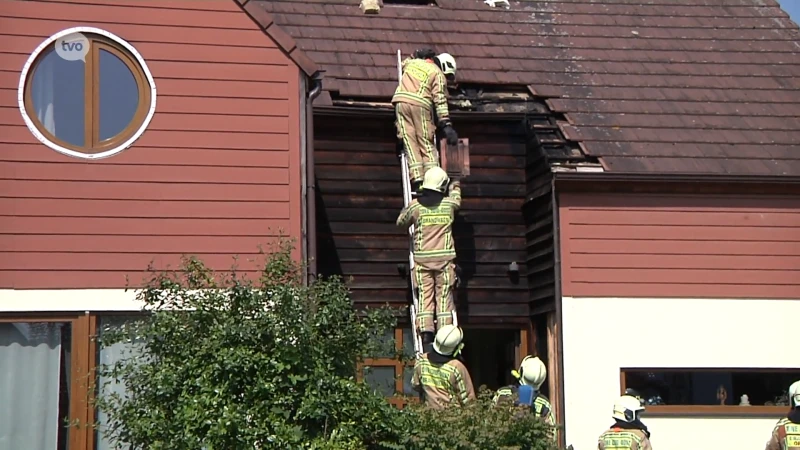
x=416, y=336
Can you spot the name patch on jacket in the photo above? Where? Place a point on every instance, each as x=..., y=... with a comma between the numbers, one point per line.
x=618, y=443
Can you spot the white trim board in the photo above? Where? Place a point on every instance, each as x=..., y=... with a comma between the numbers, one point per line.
x=45, y=300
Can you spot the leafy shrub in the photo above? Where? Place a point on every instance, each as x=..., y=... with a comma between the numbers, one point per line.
x=479, y=425
x=228, y=364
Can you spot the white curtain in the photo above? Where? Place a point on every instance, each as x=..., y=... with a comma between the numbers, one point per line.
x=30, y=363
x=43, y=92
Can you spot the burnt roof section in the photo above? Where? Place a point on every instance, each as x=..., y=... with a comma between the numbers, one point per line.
x=693, y=86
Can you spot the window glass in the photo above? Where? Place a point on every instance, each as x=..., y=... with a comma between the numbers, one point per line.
x=408, y=373
x=119, y=95
x=386, y=346
x=108, y=355
x=763, y=387
x=381, y=378
x=58, y=97
x=35, y=387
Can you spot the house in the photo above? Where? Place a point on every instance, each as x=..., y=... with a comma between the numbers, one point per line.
x=169, y=127
x=632, y=204
x=637, y=162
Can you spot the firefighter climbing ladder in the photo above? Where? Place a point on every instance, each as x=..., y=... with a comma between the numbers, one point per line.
x=406, y=200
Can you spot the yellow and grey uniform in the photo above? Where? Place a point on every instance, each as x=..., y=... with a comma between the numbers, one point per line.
x=624, y=439
x=422, y=90
x=785, y=436
x=541, y=405
x=434, y=252
x=442, y=381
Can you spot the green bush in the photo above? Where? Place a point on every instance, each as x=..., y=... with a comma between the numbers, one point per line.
x=227, y=364
x=479, y=425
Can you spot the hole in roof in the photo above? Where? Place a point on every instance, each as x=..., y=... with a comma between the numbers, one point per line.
x=410, y=2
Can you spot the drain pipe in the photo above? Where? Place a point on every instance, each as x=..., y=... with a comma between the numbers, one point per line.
x=311, y=181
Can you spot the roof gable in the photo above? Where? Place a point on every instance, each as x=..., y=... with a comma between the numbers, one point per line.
x=707, y=87
x=257, y=11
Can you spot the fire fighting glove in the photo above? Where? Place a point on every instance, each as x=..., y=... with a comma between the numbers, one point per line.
x=452, y=136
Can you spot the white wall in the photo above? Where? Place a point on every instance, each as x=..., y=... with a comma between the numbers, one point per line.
x=602, y=335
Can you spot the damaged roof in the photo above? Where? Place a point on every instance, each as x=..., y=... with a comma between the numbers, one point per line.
x=698, y=86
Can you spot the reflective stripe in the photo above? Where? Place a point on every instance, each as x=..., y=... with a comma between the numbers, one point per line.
x=618, y=439
x=792, y=431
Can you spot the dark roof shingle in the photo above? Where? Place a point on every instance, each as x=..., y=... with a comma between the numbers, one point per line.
x=704, y=86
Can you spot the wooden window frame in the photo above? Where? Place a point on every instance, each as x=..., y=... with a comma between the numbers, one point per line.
x=91, y=106
x=705, y=410
x=401, y=399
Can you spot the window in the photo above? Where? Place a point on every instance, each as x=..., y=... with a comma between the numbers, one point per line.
x=489, y=354
x=712, y=391
x=108, y=355
x=389, y=375
x=42, y=359
x=86, y=93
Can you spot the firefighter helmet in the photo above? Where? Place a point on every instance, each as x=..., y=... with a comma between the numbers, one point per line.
x=436, y=179
x=627, y=408
x=794, y=394
x=532, y=371
x=447, y=63
x=448, y=340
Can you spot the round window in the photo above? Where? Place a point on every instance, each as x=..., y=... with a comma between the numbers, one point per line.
x=86, y=93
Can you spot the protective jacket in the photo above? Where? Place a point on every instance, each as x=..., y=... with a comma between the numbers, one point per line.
x=786, y=434
x=433, y=228
x=423, y=84
x=625, y=436
x=442, y=380
x=541, y=405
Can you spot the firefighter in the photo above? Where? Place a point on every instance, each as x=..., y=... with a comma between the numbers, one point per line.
x=786, y=435
x=434, y=274
x=532, y=372
x=420, y=103
x=628, y=431
x=439, y=376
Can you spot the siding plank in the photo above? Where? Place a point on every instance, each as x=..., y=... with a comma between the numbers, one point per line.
x=143, y=173
x=52, y=207
x=697, y=246
x=141, y=191
x=151, y=245
x=164, y=156
x=143, y=226
x=196, y=33
x=215, y=174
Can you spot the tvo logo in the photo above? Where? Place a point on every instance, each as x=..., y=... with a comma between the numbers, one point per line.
x=72, y=47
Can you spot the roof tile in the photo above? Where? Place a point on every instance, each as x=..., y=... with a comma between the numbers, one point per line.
x=702, y=86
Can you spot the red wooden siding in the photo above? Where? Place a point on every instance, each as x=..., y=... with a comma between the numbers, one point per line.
x=216, y=173
x=639, y=245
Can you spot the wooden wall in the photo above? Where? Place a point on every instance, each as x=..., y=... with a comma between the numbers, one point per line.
x=695, y=246
x=360, y=196
x=216, y=174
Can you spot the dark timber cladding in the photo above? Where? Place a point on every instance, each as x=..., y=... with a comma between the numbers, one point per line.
x=360, y=196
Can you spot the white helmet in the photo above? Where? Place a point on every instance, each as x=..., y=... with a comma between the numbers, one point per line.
x=627, y=408
x=435, y=179
x=532, y=372
x=448, y=340
x=794, y=394
x=447, y=63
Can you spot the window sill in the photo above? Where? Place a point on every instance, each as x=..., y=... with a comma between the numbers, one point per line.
x=714, y=410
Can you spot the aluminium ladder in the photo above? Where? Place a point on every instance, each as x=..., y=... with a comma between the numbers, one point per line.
x=416, y=336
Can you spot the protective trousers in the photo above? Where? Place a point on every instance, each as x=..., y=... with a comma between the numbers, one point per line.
x=435, y=283
x=415, y=128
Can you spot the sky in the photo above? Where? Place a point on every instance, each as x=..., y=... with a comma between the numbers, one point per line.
x=792, y=7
